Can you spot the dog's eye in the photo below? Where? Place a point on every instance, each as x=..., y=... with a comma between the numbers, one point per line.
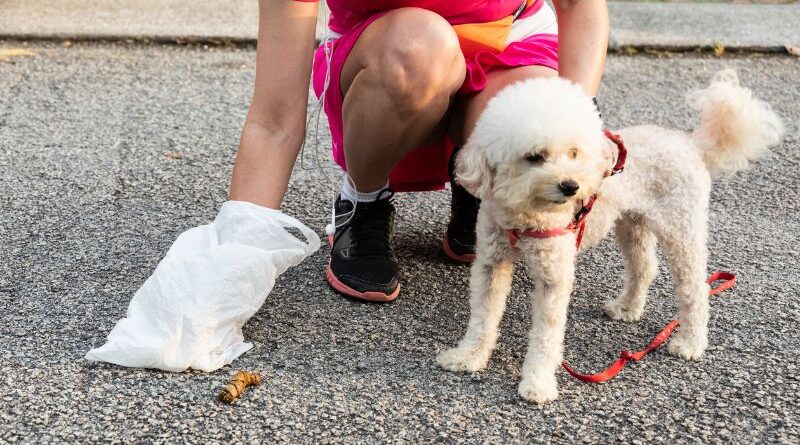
x=535, y=159
x=573, y=153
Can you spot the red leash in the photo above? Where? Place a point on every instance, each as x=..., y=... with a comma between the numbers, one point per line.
x=610, y=372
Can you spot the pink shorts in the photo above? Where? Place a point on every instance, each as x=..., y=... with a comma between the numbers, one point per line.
x=425, y=168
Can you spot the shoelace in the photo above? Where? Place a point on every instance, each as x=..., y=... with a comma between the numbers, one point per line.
x=371, y=228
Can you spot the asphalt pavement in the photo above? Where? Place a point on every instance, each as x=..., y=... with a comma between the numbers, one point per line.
x=92, y=194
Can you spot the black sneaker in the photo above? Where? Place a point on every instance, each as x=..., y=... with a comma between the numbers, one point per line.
x=362, y=263
x=459, y=239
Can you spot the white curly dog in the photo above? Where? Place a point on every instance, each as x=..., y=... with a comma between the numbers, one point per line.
x=538, y=153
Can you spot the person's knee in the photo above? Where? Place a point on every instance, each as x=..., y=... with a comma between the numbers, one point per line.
x=422, y=60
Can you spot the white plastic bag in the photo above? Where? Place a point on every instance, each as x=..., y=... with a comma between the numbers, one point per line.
x=190, y=312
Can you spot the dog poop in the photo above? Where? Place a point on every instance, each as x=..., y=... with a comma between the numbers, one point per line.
x=237, y=385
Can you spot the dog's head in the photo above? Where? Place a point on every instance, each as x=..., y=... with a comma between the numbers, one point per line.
x=538, y=146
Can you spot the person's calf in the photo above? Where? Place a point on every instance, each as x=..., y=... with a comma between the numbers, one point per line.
x=460, y=238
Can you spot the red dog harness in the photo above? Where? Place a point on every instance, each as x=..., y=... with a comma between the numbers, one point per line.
x=579, y=222
x=577, y=226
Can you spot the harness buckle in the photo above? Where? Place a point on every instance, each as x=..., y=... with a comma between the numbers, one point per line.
x=583, y=212
x=581, y=215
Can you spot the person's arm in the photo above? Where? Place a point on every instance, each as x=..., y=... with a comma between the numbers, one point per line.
x=582, y=41
x=275, y=125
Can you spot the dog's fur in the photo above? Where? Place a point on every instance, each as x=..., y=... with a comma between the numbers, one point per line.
x=662, y=196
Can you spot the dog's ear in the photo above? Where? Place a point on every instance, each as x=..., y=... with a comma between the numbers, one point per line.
x=473, y=171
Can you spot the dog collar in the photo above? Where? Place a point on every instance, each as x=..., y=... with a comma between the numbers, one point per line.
x=622, y=152
x=576, y=226
x=578, y=223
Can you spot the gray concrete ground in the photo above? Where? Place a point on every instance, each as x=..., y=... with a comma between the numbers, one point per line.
x=768, y=27
x=90, y=203
x=650, y=24
x=236, y=19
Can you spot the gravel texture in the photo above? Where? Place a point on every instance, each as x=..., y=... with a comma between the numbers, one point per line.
x=90, y=202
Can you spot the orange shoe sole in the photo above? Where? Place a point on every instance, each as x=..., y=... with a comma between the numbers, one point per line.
x=338, y=286
x=466, y=258
x=375, y=297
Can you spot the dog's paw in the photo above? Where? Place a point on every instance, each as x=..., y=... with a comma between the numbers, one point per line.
x=539, y=390
x=618, y=311
x=464, y=360
x=688, y=346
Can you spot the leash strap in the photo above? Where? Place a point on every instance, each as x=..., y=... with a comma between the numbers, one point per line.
x=728, y=281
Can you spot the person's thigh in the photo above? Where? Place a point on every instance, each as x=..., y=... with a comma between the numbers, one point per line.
x=416, y=53
x=469, y=108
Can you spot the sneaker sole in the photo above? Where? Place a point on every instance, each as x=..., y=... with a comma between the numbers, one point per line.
x=373, y=296
x=338, y=286
x=465, y=258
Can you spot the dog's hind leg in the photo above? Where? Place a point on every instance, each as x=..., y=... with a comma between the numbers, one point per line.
x=687, y=255
x=638, y=246
x=490, y=284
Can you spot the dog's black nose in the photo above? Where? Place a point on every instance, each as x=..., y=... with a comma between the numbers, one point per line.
x=568, y=187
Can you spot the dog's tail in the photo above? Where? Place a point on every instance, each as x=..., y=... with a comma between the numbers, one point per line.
x=735, y=127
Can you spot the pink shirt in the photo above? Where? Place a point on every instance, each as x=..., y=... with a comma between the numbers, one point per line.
x=346, y=14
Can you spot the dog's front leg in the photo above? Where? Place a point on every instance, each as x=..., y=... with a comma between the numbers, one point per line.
x=552, y=264
x=490, y=284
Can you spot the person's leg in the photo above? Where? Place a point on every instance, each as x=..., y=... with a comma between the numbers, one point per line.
x=459, y=239
x=398, y=82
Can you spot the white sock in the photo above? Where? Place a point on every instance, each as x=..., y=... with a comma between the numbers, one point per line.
x=350, y=193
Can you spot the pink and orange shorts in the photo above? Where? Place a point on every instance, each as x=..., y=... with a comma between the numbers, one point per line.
x=530, y=40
